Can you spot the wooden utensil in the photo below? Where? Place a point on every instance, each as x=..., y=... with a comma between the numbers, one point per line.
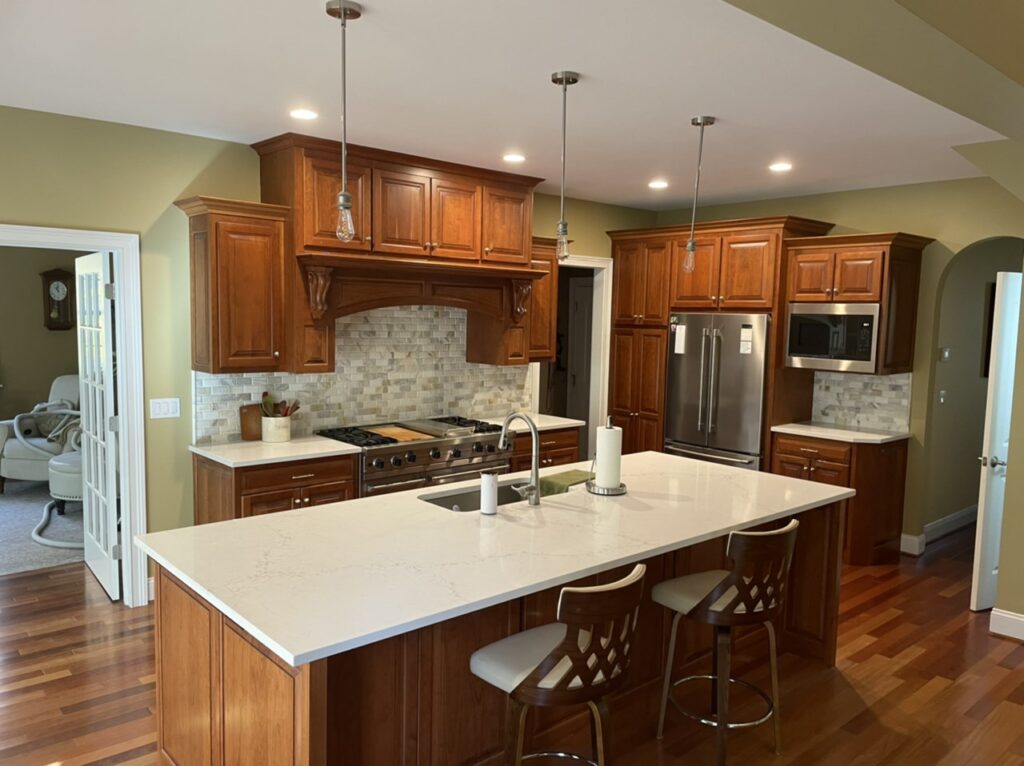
x=250, y=421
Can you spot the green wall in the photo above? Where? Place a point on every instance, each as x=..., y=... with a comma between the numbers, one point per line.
x=74, y=173
x=956, y=214
x=588, y=222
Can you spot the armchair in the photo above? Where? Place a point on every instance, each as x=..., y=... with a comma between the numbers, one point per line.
x=29, y=440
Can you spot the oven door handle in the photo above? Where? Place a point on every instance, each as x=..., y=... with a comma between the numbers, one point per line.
x=406, y=483
x=448, y=478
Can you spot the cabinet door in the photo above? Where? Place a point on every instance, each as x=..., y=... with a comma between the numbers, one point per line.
x=652, y=348
x=271, y=502
x=628, y=424
x=627, y=282
x=401, y=213
x=623, y=378
x=507, y=224
x=791, y=466
x=697, y=288
x=249, y=285
x=858, y=276
x=455, y=219
x=563, y=456
x=321, y=184
x=826, y=472
x=748, y=271
x=811, y=276
x=543, y=311
x=656, y=270
x=334, y=492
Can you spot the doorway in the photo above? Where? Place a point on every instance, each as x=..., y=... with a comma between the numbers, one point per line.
x=102, y=451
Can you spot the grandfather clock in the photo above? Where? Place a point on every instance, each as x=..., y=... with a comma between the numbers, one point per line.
x=58, y=299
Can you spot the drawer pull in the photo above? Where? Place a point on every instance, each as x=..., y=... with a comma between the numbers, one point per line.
x=808, y=449
x=304, y=476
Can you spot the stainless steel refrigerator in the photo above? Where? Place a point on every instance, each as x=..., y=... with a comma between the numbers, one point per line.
x=715, y=395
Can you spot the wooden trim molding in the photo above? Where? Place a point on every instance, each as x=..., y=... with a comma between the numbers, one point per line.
x=318, y=282
x=520, y=298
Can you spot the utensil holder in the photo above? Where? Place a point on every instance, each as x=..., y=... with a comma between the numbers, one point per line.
x=277, y=430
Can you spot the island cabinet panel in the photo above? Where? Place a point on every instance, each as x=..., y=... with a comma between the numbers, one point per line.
x=637, y=386
x=558, y=447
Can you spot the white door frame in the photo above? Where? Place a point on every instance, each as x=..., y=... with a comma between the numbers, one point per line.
x=131, y=426
x=600, y=342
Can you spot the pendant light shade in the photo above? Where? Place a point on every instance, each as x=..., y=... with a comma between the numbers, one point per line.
x=344, y=11
x=690, y=261
x=563, y=79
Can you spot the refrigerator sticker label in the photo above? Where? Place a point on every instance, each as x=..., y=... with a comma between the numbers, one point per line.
x=679, y=346
x=746, y=339
x=745, y=346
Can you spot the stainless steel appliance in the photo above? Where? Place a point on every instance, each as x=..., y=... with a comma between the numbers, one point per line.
x=832, y=336
x=715, y=397
x=423, y=453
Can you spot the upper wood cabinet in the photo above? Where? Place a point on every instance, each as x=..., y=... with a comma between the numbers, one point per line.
x=321, y=178
x=401, y=213
x=236, y=260
x=845, y=275
x=733, y=271
x=640, y=282
x=455, y=214
x=697, y=288
x=507, y=223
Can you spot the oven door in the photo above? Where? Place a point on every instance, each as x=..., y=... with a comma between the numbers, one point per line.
x=469, y=474
x=832, y=336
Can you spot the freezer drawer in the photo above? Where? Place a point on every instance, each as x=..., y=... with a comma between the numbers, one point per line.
x=734, y=459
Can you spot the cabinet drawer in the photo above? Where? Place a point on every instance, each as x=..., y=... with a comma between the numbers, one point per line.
x=549, y=440
x=563, y=456
x=300, y=473
x=835, y=452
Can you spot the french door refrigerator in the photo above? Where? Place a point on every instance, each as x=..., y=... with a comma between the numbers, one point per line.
x=715, y=394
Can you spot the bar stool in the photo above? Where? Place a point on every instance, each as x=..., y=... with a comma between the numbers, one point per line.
x=751, y=593
x=578, y=660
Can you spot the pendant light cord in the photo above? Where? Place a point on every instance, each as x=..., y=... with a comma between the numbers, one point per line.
x=691, y=244
x=561, y=208
x=344, y=104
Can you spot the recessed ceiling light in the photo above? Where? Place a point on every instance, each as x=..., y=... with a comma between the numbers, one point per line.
x=781, y=167
x=514, y=157
x=658, y=183
x=303, y=114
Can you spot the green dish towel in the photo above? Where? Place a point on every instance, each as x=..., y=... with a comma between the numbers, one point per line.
x=559, y=483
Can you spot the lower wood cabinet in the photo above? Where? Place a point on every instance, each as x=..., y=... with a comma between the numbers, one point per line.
x=559, y=447
x=874, y=517
x=221, y=493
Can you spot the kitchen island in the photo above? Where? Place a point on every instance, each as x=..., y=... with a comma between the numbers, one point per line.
x=341, y=634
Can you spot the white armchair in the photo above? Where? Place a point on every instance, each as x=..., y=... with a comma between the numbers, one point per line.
x=29, y=440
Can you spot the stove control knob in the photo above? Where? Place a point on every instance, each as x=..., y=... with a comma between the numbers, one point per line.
x=478, y=447
x=396, y=460
x=435, y=453
x=378, y=462
x=454, y=452
x=491, y=448
x=410, y=457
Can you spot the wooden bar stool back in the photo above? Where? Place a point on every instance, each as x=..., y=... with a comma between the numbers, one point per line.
x=580, y=659
x=752, y=592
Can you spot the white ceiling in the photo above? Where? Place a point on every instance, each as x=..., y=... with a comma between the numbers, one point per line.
x=467, y=80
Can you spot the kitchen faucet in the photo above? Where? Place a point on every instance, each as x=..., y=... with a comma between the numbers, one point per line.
x=529, y=491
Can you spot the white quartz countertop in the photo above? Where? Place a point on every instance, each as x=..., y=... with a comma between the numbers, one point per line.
x=317, y=581
x=241, y=454
x=544, y=422
x=840, y=433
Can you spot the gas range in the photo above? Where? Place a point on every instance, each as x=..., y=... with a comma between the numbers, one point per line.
x=428, y=452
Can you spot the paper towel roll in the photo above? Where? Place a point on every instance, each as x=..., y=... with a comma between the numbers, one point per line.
x=609, y=457
x=488, y=493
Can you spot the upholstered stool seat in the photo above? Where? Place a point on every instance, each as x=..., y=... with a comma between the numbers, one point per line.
x=66, y=476
x=684, y=593
x=505, y=664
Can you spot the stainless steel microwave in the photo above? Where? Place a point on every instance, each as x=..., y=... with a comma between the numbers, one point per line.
x=841, y=337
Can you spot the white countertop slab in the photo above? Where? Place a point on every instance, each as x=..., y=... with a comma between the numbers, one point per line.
x=241, y=454
x=317, y=581
x=840, y=433
x=544, y=422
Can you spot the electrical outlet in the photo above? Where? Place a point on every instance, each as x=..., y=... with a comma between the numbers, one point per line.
x=944, y=353
x=164, y=408
x=942, y=396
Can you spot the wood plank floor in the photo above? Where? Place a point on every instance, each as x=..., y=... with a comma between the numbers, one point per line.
x=919, y=681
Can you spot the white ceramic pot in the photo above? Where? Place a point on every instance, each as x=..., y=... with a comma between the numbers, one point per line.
x=277, y=430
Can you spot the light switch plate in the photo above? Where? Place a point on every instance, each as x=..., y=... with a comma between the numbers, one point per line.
x=945, y=352
x=942, y=396
x=164, y=408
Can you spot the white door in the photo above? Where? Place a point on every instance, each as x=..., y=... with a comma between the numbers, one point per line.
x=996, y=442
x=99, y=441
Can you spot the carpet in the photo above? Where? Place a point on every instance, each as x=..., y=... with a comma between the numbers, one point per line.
x=21, y=508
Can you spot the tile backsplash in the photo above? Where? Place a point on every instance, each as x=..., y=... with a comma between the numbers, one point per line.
x=875, y=402
x=392, y=363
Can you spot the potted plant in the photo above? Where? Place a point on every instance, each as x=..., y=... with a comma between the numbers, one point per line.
x=277, y=418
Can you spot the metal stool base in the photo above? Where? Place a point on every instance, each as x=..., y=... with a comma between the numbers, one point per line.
x=558, y=754
x=713, y=722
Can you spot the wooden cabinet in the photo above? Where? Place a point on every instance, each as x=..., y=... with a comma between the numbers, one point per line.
x=221, y=493
x=874, y=517
x=864, y=268
x=637, y=386
x=697, y=289
x=733, y=271
x=401, y=213
x=507, y=223
x=640, y=283
x=542, y=315
x=557, y=447
x=236, y=252
x=321, y=179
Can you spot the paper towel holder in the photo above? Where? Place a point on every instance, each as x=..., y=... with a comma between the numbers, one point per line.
x=592, y=487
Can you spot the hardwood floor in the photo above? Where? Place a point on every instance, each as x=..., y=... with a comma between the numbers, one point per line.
x=919, y=680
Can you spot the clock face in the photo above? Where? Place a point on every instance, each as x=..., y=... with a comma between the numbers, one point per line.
x=58, y=291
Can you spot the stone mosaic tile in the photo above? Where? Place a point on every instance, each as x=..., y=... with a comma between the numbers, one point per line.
x=879, y=402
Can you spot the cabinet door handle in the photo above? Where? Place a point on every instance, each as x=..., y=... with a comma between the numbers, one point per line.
x=369, y=240
x=277, y=354
x=488, y=249
x=426, y=245
x=303, y=476
x=296, y=501
x=306, y=500
x=806, y=468
x=808, y=449
x=813, y=469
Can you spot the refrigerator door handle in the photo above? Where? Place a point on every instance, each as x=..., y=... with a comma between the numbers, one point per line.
x=700, y=403
x=706, y=456
x=713, y=381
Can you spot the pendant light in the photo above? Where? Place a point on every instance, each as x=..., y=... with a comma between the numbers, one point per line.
x=563, y=79
x=689, y=262
x=345, y=11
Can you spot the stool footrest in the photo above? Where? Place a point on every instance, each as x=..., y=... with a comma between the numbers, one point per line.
x=559, y=754
x=714, y=722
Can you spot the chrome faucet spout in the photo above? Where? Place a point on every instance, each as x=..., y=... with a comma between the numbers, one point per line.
x=529, y=491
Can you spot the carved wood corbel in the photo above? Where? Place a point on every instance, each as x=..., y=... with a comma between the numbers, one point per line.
x=318, y=282
x=521, y=290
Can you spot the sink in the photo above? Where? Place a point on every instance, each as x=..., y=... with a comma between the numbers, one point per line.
x=469, y=499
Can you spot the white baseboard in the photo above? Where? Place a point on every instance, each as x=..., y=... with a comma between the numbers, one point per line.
x=1009, y=624
x=913, y=545
x=152, y=589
